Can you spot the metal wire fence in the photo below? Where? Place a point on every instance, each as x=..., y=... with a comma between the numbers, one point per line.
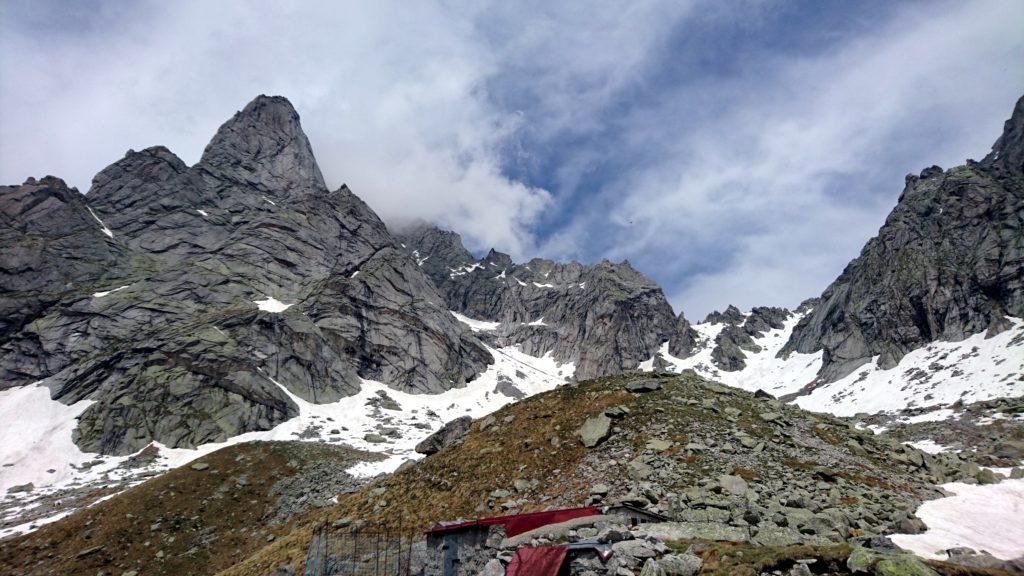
x=377, y=551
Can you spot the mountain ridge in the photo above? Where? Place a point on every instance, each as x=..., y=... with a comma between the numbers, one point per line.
x=180, y=352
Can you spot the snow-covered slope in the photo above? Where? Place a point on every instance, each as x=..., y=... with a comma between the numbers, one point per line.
x=40, y=450
x=979, y=517
x=977, y=368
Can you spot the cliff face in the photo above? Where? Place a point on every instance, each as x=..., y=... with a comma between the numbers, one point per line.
x=174, y=297
x=947, y=263
x=605, y=318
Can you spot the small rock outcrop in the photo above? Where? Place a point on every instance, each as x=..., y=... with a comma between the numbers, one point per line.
x=739, y=330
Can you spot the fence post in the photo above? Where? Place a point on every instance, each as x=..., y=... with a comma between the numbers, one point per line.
x=377, y=554
x=355, y=550
x=387, y=548
x=325, y=555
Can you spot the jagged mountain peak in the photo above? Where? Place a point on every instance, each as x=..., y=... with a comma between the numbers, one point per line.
x=603, y=318
x=731, y=315
x=264, y=145
x=1008, y=151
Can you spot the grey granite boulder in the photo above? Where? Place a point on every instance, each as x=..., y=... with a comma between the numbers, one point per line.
x=450, y=434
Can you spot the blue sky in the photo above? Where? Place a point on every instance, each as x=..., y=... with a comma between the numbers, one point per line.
x=736, y=152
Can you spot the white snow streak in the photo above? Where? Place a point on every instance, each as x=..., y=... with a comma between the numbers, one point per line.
x=102, y=294
x=106, y=230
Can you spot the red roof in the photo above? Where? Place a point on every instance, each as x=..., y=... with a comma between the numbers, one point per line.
x=519, y=523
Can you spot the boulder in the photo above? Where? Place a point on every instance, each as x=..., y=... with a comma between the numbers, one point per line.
x=450, y=434
x=595, y=430
x=642, y=386
x=687, y=564
x=732, y=484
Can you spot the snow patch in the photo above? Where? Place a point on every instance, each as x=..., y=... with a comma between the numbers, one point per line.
x=270, y=304
x=453, y=272
x=202, y=212
x=928, y=445
x=939, y=374
x=40, y=440
x=777, y=376
x=476, y=325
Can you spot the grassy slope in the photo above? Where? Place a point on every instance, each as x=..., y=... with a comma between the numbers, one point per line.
x=202, y=521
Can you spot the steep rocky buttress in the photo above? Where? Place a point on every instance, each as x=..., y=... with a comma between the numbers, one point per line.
x=947, y=263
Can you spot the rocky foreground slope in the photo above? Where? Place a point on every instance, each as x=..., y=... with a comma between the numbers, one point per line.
x=198, y=519
x=726, y=466
x=603, y=318
x=179, y=300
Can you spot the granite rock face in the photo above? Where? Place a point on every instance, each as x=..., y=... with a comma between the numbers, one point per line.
x=947, y=263
x=51, y=243
x=604, y=318
x=148, y=307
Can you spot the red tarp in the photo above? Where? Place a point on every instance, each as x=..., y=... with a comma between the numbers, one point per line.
x=540, y=561
x=519, y=523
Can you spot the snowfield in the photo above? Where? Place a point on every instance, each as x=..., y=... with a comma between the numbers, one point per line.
x=976, y=368
x=42, y=440
x=985, y=517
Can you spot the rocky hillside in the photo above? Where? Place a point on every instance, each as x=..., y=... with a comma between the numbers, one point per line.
x=947, y=263
x=723, y=464
x=178, y=300
x=197, y=519
x=603, y=318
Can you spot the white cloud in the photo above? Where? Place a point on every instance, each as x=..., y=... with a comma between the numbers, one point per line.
x=752, y=184
x=389, y=94
x=766, y=201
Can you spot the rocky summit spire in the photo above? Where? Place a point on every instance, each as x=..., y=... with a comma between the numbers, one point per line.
x=264, y=146
x=1008, y=151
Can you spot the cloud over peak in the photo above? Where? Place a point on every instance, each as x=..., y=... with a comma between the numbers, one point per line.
x=736, y=153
